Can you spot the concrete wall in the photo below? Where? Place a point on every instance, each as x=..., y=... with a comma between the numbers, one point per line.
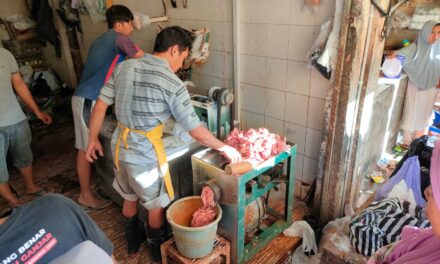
x=279, y=91
x=12, y=7
x=394, y=39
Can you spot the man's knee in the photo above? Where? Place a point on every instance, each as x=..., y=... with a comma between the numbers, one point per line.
x=156, y=217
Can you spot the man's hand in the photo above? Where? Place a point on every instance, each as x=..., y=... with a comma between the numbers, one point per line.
x=47, y=119
x=391, y=55
x=92, y=148
x=231, y=153
x=204, y=137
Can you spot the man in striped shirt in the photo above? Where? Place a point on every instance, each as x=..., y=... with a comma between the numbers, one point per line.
x=146, y=92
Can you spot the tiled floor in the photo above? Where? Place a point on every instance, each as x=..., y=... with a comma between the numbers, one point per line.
x=54, y=166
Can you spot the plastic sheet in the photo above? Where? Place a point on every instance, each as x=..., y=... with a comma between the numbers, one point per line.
x=319, y=46
x=95, y=8
x=140, y=20
x=410, y=174
x=334, y=246
x=303, y=229
x=21, y=22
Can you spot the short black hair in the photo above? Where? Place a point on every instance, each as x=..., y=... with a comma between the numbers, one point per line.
x=118, y=13
x=171, y=36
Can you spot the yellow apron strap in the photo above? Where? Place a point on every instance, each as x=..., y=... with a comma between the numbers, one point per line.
x=122, y=136
x=118, y=144
x=155, y=137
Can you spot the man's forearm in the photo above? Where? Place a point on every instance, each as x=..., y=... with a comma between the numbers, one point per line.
x=97, y=119
x=206, y=138
x=26, y=96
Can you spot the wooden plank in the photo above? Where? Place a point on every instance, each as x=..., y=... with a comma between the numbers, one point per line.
x=279, y=248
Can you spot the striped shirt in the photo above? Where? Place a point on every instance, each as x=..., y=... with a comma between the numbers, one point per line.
x=146, y=93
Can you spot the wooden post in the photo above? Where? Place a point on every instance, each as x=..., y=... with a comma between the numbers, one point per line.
x=335, y=182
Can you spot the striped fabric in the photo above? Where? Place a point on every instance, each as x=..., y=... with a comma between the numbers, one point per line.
x=381, y=224
x=146, y=93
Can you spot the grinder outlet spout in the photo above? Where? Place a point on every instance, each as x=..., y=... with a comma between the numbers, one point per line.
x=215, y=189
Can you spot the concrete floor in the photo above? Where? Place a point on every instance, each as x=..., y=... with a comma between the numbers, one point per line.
x=54, y=166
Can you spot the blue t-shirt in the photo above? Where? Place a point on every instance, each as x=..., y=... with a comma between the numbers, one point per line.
x=106, y=51
x=47, y=228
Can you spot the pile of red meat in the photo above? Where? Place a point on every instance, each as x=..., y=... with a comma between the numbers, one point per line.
x=206, y=214
x=256, y=144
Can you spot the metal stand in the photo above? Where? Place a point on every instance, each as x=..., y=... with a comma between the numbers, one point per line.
x=245, y=252
x=241, y=191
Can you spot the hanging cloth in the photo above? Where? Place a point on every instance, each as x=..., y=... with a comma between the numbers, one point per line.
x=42, y=14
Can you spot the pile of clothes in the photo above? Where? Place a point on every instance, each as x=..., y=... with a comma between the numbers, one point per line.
x=395, y=228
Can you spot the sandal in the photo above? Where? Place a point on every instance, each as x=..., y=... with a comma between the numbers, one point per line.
x=42, y=191
x=102, y=204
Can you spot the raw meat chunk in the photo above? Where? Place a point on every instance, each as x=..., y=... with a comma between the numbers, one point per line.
x=256, y=144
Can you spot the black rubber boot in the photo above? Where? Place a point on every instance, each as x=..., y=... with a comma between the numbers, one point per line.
x=134, y=234
x=155, y=237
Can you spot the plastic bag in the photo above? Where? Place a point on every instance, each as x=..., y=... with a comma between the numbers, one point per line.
x=410, y=174
x=21, y=22
x=303, y=229
x=311, y=5
x=140, y=20
x=95, y=8
x=298, y=257
x=50, y=79
x=318, y=49
x=39, y=86
x=400, y=19
x=319, y=43
x=403, y=193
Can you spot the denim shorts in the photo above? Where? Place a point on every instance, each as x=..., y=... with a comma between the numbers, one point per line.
x=15, y=139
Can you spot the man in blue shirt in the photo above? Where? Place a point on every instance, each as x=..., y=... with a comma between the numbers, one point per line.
x=104, y=54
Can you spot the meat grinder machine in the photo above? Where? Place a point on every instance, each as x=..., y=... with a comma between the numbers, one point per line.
x=249, y=222
x=215, y=110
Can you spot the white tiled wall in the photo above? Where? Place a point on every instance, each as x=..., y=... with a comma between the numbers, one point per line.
x=216, y=15
x=279, y=90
